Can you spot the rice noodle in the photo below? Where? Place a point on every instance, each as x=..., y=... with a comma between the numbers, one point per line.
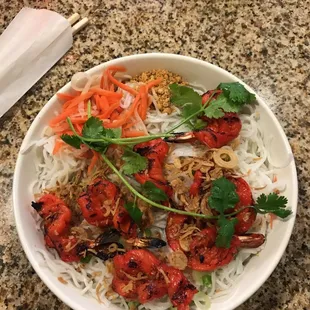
x=94, y=278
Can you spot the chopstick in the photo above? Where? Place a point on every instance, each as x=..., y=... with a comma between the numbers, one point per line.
x=77, y=26
x=74, y=18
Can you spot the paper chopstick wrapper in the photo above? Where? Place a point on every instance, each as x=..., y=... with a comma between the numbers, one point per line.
x=32, y=43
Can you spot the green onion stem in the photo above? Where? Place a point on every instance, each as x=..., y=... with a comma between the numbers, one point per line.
x=157, y=205
x=72, y=127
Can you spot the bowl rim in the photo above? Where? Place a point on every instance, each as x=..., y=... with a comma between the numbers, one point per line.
x=18, y=220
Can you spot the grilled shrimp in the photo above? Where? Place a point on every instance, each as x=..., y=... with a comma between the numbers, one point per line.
x=140, y=275
x=155, y=151
x=217, y=133
x=102, y=206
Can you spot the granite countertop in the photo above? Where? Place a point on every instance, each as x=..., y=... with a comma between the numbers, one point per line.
x=265, y=43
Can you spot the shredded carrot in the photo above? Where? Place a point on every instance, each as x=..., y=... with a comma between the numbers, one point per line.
x=272, y=218
x=58, y=144
x=110, y=110
x=79, y=120
x=119, y=109
x=130, y=124
x=143, y=104
x=117, y=68
x=93, y=162
x=79, y=128
x=274, y=179
x=104, y=103
x=64, y=96
x=103, y=80
x=97, y=101
x=114, y=115
x=74, y=102
x=153, y=83
x=125, y=117
x=105, y=99
x=107, y=93
x=133, y=133
x=120, y=84
x=61, y=117
x=63, y=128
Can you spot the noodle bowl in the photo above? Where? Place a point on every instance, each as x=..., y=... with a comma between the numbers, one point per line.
x=94, y=279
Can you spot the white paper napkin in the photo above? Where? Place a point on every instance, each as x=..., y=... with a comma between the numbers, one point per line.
x=32, y=43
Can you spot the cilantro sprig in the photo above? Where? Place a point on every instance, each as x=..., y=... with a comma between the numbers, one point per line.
x=97, y=137
x=232, y=99
x=272, y=203
x=224, y=197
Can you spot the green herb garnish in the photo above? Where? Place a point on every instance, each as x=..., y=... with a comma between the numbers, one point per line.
x=74, y=141
x=236, y=93
x=134, y=212
x=134, y=162
x=225, y=232
x=86, y=259
x=133, y=305
x=186, y=98
x=232, y=99
x=206, y=280
x=151, y=191
x=147, y=233
x=224, y=196
x=272, y=203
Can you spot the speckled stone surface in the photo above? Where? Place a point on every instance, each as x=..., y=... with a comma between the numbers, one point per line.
x=265, y=43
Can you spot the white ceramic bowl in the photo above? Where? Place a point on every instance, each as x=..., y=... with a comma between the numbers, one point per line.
x=197, y=72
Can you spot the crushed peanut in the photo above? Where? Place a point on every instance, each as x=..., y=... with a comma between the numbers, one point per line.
x=162, y=90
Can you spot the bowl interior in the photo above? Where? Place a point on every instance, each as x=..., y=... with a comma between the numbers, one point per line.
x=199, y=73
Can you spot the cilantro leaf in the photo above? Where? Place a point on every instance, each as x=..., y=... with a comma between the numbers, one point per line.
x=134, y=212
x=86, y=259
x=272, y=203
x=198, y=124
x=152, y=192
x=219, y=106
x=113, y=133
x=134, y=162
x=232, y=99
x=225, y=232
x=72, y=140
x=93, y=128
x=223, y=195
x=186, y=98
x=237, y=93
x=190, y=109
x=181, y=95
